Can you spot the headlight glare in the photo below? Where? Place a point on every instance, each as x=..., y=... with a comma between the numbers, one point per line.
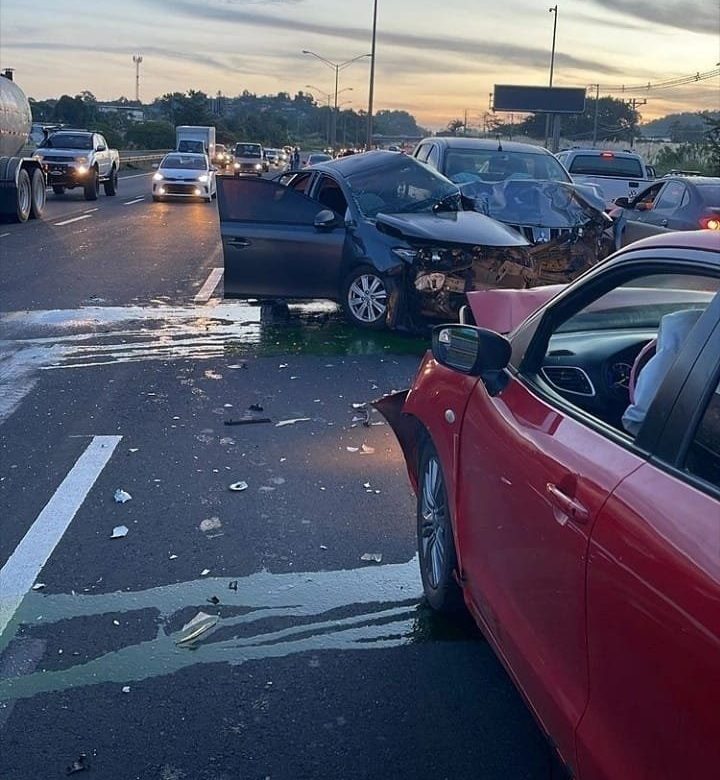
x=158, y=176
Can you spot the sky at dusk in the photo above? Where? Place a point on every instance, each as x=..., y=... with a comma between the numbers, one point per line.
x=434, y=59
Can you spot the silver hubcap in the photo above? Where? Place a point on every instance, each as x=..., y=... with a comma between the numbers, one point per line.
x=432, y=509
x=367, y=298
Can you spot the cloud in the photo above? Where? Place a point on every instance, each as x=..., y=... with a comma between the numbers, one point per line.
x=502, y=52
x=699, y=16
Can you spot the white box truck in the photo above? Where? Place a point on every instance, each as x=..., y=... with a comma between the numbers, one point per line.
x=195, y=139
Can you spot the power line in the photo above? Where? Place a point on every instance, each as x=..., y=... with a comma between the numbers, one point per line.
x=668, y=84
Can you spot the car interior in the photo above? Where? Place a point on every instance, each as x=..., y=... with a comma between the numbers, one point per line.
x=596, y=359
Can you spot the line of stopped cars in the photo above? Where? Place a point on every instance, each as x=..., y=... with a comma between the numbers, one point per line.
x=562, y=438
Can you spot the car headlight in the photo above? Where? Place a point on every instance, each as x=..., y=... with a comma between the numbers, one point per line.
x=408, y=255
x=237, y=165
x=258, y=166
x=81, y=160
x=203, y=177
x=38, y=157
x=81, y=169
x=158, y=176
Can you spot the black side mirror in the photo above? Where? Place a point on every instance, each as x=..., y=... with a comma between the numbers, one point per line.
x=325, y=220
x=623, y=203
x=471, y=350
x=101, y=148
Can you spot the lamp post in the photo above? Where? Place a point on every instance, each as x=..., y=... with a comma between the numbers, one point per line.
x=371, y=93
x=337, y=67
x=597, y=108
x=327, y=96
x=553, y=10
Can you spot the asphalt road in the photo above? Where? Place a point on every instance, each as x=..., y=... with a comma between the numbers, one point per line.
x=122, y=368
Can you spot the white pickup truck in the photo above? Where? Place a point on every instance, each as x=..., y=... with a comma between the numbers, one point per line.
x=79, y=158
x=615, y=174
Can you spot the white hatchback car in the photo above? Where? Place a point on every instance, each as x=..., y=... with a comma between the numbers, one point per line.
x=182, y=175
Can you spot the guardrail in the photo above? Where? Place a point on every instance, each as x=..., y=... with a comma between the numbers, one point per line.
x=133, y=157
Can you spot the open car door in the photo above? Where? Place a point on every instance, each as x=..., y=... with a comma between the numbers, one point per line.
x=273, y=244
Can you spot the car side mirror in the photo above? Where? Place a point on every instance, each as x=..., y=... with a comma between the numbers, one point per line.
x=472, y=350
x=623, y=203
x=155, y=165
x=101, y=148
x=325, y=220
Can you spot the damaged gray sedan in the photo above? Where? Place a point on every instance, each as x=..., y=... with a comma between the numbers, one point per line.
x=390, y=239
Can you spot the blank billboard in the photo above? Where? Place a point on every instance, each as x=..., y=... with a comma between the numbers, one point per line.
x=540, y=100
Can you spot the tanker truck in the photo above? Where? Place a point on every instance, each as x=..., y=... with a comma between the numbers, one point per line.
x=22, y=181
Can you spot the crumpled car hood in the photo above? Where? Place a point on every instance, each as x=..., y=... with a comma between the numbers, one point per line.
x=454, y=227
x=549, y=204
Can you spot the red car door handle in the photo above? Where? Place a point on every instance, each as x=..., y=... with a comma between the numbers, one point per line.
x=569, y=506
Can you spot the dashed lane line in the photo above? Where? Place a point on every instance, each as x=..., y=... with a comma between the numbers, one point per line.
x=136, y=175
x=20, y=572
x=70, y=221
x=208, y=288
x=130, y=202
x=90, y=211
x=4, y=235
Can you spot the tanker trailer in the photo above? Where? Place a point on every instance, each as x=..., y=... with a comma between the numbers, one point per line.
x=22, y=181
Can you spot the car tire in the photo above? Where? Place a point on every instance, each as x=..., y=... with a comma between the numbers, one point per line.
x=436, y=542
x=111, y=185
x=58, y=189
x=37, y=188
x=92, y=185
x=23, y=197
x=364, y=298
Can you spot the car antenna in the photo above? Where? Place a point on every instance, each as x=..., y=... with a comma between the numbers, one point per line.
x=499, y=140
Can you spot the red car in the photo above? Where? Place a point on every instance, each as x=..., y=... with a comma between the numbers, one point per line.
x=568, y=483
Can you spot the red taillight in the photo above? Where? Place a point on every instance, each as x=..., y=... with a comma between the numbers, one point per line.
x=710, y=223
x=606, y=154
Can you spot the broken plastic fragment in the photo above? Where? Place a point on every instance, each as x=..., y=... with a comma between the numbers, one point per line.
x=238, y=487
x=121, y=496
x=374, y=557
x=283, y=423
x=248, y=421
x=134, y=449
x=352, y=449
x=38, y=586
x=126, y=689
x=365, y=450
x=238, y=365
x=323, y=547
x=210, y=524
x=119, y=532
x=201, y=623
x=358, y=406
x=79, y=765
x=173, y=557
x=205, y=572
x=116, y=622
x=366, y=485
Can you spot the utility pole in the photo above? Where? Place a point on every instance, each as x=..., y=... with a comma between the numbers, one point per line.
x=595, y=120
x=137, y=59
x=465, y=123
x=634, y=103
x=553, y=10
x=371, y=92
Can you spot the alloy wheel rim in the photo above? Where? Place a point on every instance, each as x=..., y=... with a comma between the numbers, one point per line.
x=24, y=196
x=367, y=298
x=433, y=512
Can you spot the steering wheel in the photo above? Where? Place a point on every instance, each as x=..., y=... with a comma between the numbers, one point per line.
x=647, y=352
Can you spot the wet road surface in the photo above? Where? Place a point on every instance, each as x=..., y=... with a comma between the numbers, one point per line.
x=228, y=634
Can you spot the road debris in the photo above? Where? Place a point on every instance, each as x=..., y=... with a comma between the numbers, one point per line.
x=359, y=406
x=248, y=421
x=116, y=622
x=134, y=449
x=121, y=496
x=210, y=524
x=256, y=408
x=367, y=450
x=238, y=487
x=79, y=765
x=373, y=557
x=205, y=572
x=172, y=557
x=236, y=366
x=283, y=423
x=352, y=449
x=119, y=532
x=38, y=586
x=323, y=547
x=210, y=374
x=213, y=600
x=126, y=689
x=201, y=623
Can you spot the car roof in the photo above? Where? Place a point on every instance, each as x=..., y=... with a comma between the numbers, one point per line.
x=455, y=142
x=365, y=161
x=708, y=240
x=597, y=152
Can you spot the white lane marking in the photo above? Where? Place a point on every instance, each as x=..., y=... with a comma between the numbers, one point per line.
x=74, y=219
x=4, y=235
x=208, y=288
x=27, y=560
x=137, y=175
x=90, y=211
x=130, y=202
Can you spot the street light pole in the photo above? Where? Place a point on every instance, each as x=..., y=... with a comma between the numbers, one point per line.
x=553, y=10
x=595, y=120
x=337, y=67
x=371, y=94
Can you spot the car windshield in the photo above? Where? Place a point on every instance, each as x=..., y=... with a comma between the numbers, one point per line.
x=710, y=194
x=492, y=165
x=606, y=165
x=69, y=141
x=316, y=158
x=186, y=162
x=248, y=150
x=400, y=186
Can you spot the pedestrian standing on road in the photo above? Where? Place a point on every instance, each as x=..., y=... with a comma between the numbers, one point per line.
x=296, y=158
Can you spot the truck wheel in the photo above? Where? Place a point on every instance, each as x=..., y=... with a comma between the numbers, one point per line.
x=23, y=197
x=37, y=188
x=58, y=189
x=92, y=185
x=111, y=185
